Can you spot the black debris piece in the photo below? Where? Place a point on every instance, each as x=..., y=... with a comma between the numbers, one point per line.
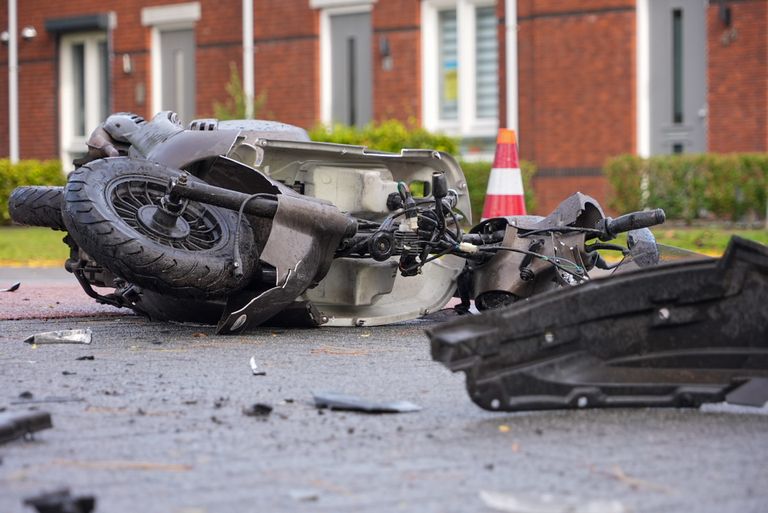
x=258, y=410
x=48, y=399
x=337, y=401
x=678, y=334
x=15, y=425
x=61, y=501
x=83, y=358
x=12, y=288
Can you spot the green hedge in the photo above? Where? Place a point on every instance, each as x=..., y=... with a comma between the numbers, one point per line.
x=26, y=172
x=728, y=187
x=391, y=135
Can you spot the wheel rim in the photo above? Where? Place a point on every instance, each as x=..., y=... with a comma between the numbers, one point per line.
x=198, y=229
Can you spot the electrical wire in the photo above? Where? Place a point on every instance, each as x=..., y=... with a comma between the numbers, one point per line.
x=237, y=260
x=576, y=271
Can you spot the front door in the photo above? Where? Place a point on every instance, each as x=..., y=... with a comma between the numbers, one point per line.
x=177, y=64
x=678, y=76
x=351, y=82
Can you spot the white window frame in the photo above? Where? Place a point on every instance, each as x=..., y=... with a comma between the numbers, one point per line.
x=71, y=143
x=643, y=82
x=467, y=124
x=162, y=18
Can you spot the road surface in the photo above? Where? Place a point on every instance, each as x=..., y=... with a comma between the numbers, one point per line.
x=155, y=423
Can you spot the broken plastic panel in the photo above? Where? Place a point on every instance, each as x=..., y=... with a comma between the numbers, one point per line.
x=80, y=336
x=12, y=288
x=15, y=425
x=679, y=334
x=337, y=401
x=61, y=501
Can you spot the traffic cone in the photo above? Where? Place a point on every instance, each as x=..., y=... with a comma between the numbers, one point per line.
x=504, y=196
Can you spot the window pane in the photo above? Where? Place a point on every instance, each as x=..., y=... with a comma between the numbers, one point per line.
x=677, y=66
x=103, y=80
x=487, y=63
x=78, y=83
x=449, y=65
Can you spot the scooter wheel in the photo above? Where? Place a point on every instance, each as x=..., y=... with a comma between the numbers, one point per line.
x=109, y=209
x=37, y=205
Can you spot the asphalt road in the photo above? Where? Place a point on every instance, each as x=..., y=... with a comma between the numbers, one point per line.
x=155, y=423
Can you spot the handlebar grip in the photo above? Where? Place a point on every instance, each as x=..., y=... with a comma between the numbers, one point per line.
x=634, y=221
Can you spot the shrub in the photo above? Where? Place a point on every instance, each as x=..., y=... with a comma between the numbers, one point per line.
x=391, y=135
x=234, y=107
x=688, y=187
x=26, y=172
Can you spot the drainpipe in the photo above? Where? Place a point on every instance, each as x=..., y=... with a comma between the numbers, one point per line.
x=248, y=87
x=13, y=83
x=510, y=26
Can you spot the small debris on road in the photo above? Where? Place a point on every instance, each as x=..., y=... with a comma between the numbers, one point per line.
x=635, y=483
x=339, y=351
x=255, y=368
x=150, y=466
x=79, y=336
x=258, y=410
x=337, y=401
x=12, y=288
x=304, y=495
x=548, y=504
x=83, y=358
x=27, y=398
x=61, y=501
x=16, y=425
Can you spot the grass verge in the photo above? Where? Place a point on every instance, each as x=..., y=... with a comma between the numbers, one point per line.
x=31, y=247
x=42, y=247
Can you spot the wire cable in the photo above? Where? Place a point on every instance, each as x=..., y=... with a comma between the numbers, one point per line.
x=576, y=270
x=237, y=260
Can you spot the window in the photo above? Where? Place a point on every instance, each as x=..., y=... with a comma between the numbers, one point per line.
x=677, y=65
x=84, y=89
x=460, y=67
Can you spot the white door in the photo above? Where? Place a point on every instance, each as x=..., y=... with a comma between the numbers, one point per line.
x=83, y=90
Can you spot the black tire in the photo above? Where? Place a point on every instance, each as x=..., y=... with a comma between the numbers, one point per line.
x=101, y=211
x=37, y=205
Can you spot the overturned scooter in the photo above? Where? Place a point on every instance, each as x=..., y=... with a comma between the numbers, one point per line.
x=242, y=222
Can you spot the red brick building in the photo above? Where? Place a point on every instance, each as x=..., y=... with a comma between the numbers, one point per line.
x=582, y=79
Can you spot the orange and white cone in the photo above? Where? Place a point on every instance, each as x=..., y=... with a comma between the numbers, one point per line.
x=505, y=196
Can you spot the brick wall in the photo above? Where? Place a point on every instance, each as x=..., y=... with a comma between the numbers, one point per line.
x=738, y=78
x=286, y=60
x=577, y=91
x=397, y=90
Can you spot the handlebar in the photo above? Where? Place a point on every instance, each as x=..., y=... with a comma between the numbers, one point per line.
x=643, y=219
